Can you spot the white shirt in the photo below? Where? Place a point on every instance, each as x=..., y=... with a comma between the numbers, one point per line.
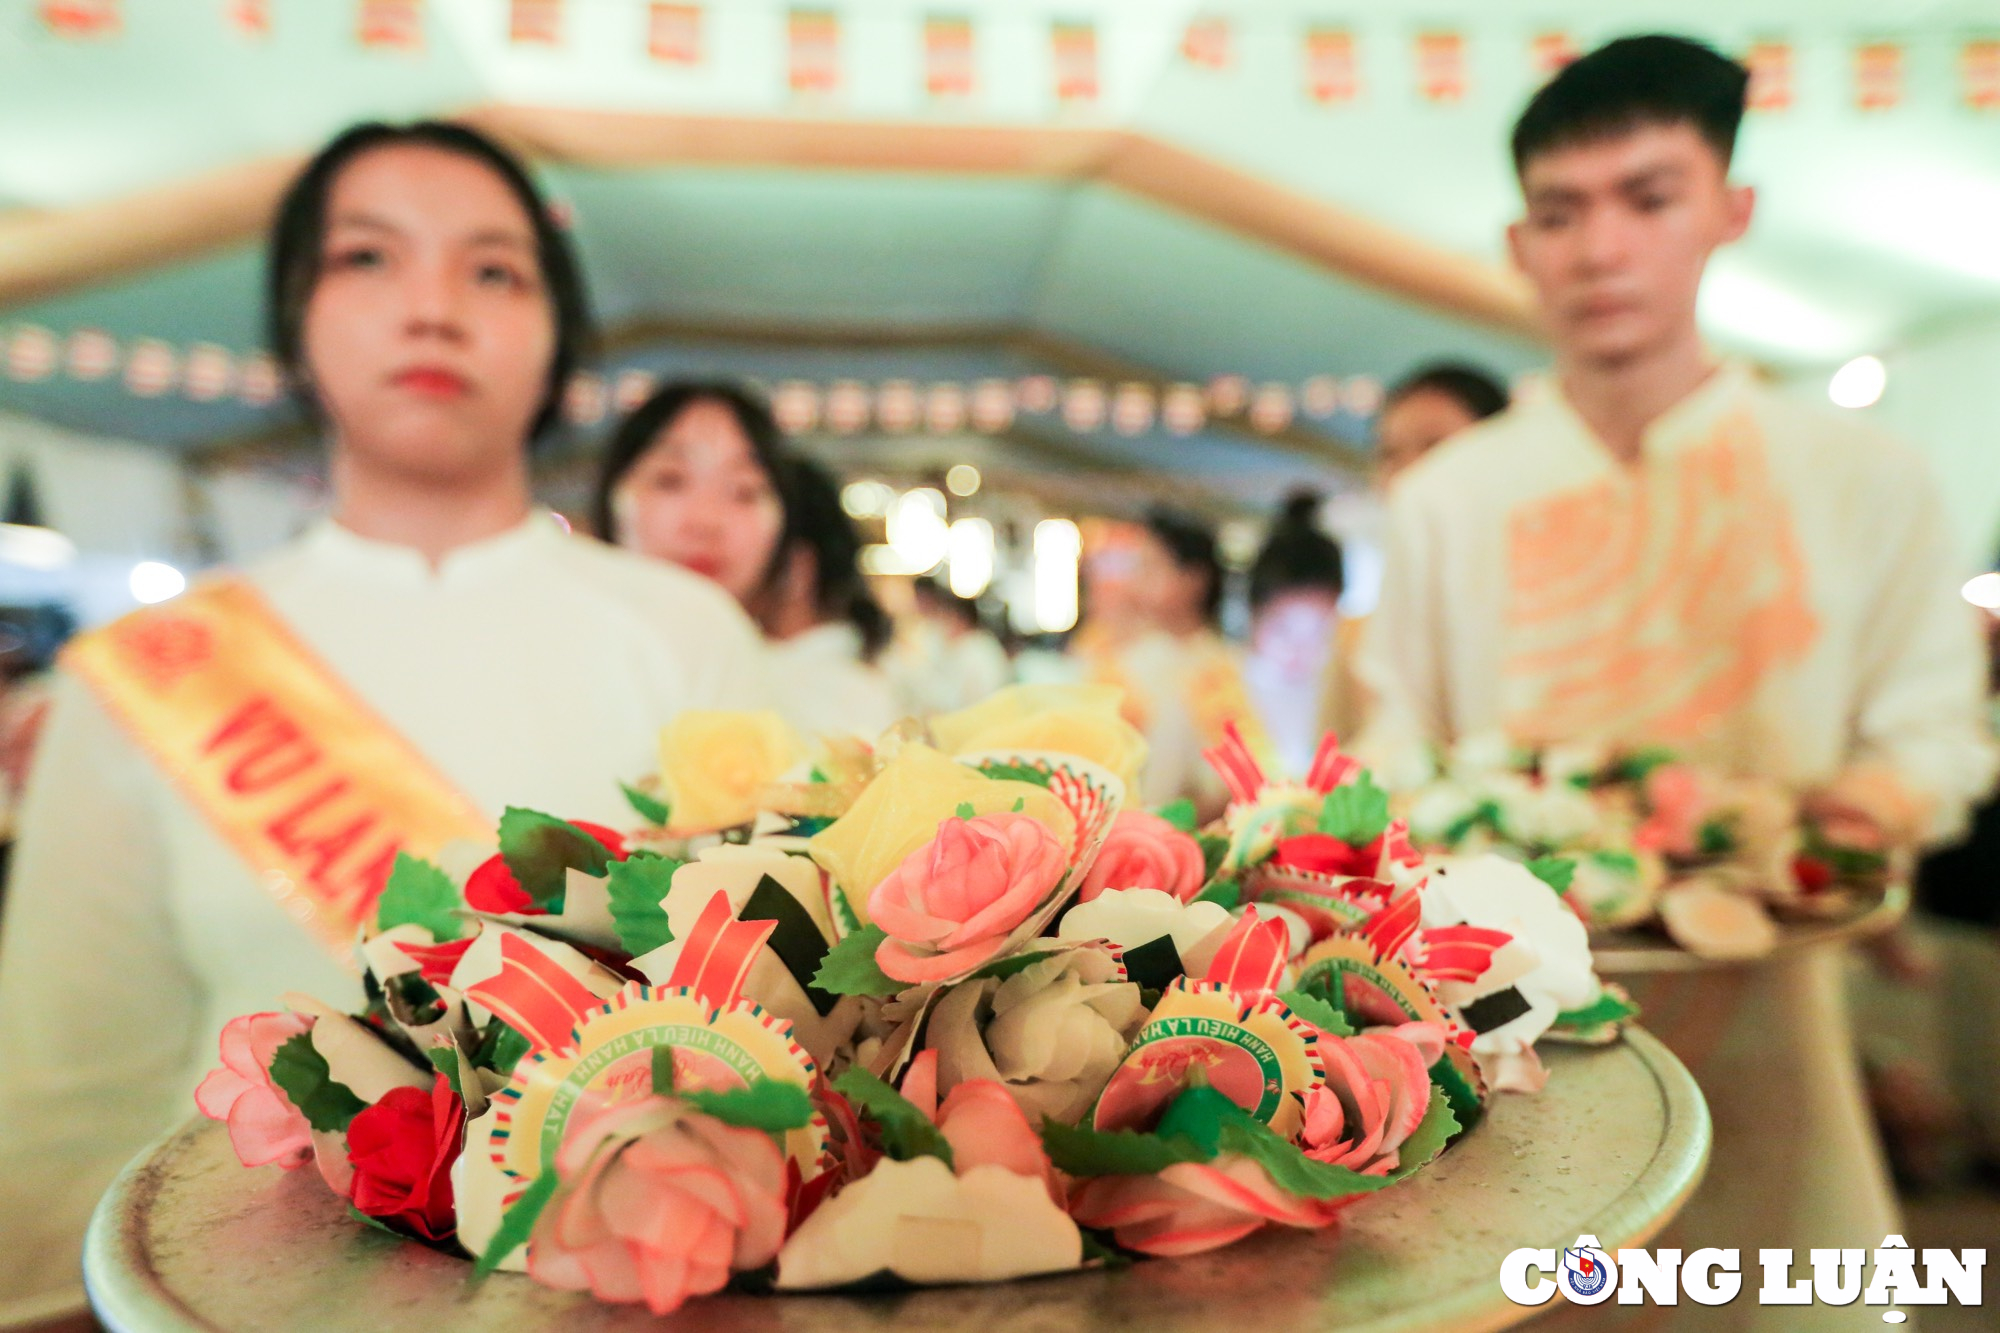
x=532, y=669
x=824, y=688
x=1770, y=587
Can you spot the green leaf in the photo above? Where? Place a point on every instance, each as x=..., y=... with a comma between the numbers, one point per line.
x=1289, y=1168
x=444, y=1059
x=1122, y=1152
x=636, y=887
x=301, y=1072
x=1223, y=893
x=663, y=1071
x=769, y=1104
x=906, y=1131
x=850, y=967
x=1214, y=850
x=1608, y=1007
x=501, y=1047
x=420, y=894
x=1356, y=813
x=1486, y=813
x=1554, y=871
x=1181, y=815
x=965, y=810
x=1003, y=968
x=1020, y=804
x=1099, y=1250
x=1619, y=863
x=517, y=1223
x=1429, y=1138
x=1015, y=773
x=1717, y=838
x=1639, y=765
x=1322, y=1014
x=375, y=1222
x=1458, y=1090
x=540, y=849
x=1198, y=1113
x=650, y=807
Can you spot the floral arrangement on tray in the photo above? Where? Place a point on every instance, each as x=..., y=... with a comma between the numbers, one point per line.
x=1714, y=860
x=939, y=1009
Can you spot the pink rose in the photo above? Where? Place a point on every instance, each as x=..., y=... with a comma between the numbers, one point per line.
x=1193, y=1206
x=264, y=1126
x=658, y=1203
x=1678, y=804
x=1144, y=851
x=952, y=903
x=986, y=1127
x=1377, y=1089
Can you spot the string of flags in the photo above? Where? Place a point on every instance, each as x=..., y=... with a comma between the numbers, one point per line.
x=206, y=372
x=815, y=50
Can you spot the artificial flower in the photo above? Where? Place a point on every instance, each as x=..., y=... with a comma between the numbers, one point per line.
x=1144, y=851
x=921, y=1222
x=1129, y=918
x=1082, y=720
x=1376, y=1092
x=264, y=1126
x=492, y=887
x=1711, y=920
x=900, y=812
x=986, y=1127
x=1193, y=1206
x=1616, y=888
x=1324, y=854
x=658, y=1203
x=952, y=904
x=714, y=765
x=402, y=1149
x=1053, y=1032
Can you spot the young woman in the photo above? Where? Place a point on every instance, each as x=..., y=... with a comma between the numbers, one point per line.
x=225, y=778
x=1300, y=670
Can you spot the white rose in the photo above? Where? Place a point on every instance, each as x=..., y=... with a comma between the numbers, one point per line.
x=1129, y=918
x=1053, y=1032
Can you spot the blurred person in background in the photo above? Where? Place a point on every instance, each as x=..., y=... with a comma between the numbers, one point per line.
x=225, y=778
x=1428, y=407
x=1299, y=669
x=945, y=659
x=826, y=629
x=1651, y=547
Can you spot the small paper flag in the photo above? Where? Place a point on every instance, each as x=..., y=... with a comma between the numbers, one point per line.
x=897, y=406
x=1549, y=53
x=1878, y=75
x=83, y=18
x=673, y=34
x=209, y=374
x=31, y=353
x=252, y=18
x=1132, y=409
x=1073, y=51
x=950, y=70
x=92, y=354
x=992, y=406
x=1206, y=42
x=1333, y=75
x=151, y=368
x=391, y=25
x=1083, y=405
x=1979, y=73
x=1441, y=73
x=535, y=22
x=813, y=52
x=1769, y=61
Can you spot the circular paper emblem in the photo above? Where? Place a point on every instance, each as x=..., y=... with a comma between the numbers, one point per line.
x=611, y=1060
x=1381, y=992
x=1255, y=1052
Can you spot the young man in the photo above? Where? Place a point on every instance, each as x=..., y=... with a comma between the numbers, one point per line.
x=1428, y=407
x=1651, y=546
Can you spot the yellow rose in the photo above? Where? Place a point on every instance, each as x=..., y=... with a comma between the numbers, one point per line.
x=901, y=809
x=714, y=764
x=1083, y=720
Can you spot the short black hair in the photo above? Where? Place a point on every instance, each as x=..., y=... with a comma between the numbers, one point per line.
x=1296, y=554
x=1191, y=543
x=1479, y=393
x=815, y=521
x=636, y=433
x=1652, y=80
x=298, y=237
x=935, y=595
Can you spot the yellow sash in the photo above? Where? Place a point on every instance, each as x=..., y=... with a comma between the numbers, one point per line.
x=301, y=776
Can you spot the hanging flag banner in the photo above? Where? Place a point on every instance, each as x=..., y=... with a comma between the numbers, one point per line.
x=31, y=354
x=897, y=406
x=1272, y=408
x=1878, y=75
x=1979, y=73
x=1132, y=409
x=1073, y=51
x=1206, y=42
x=91, y=355
x=83, y=18
x=1320, y=396
x=258, y=383
x=534, y=22
x=151, y=368
x=209, y=374
x=1549, y=52
x=252, y=18
x=391, y=25
x=950, y=71
x=1333, y=75
x=944, y=409
x=1769, y=61
x=673, y=34
x=1441, y=73
x=813, y=44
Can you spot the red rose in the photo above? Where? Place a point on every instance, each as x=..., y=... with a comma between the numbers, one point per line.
x=493, y=888
x=402, y=1149
x=1813, y=875
x=1324, y=854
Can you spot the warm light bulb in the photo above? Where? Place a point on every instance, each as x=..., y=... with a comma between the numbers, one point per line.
x=962, y=480
x=1058, y=550
x=1983, y=591
x=971, y=556
x=1859, y=383
x=152, y=582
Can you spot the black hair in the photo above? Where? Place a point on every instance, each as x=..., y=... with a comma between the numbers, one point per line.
x=935, y=594
x=1296, y=554
x=1480, y=394
x=1191, y=543
x=816, y=522
x=637, y=433
x=1651, y=80
x=298, y=239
